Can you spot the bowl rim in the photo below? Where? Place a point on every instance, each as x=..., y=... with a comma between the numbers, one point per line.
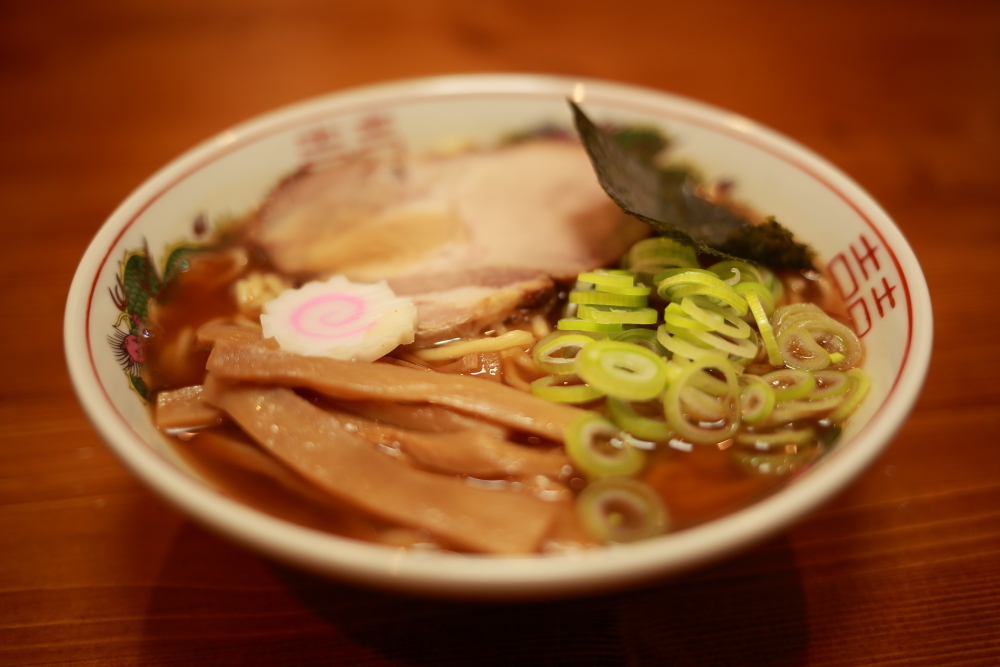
x=486, y=576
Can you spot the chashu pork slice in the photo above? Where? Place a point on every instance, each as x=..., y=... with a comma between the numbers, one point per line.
x=464, y=303
x=476, y=235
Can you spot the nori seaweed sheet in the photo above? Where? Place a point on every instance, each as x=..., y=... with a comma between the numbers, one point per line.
x=667, y=200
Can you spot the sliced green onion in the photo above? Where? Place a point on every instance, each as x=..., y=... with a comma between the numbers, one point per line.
x=764, y=327
x=675, y=316
x=757, y=400
x=612, y=315
x=702, y=406
x=800, y=350
x=747, y=272
x=712, y=386
x=618, y=509
x=678, y=287
x=763, y=295
x=662, y=252
x=556, y=352
x=724, y=295
x=704, y=381
x=595, y=447
x=706, y=278
x=576, y=324
x=684, y=333
x=860, y=384
x=621, y=369
x=709, y=340
x=624, y=414
x=647, y=268
x=796, y=312
x=829, y=383
x=745, y=348
x=790, y=383
x=674, y=410
x=672, y=272
x=678, y=346
x=564, y=389
x=608, y=278
x=632, y=290
x=692, y=307
x=722, y=320
x=743, y=362
x=790, y=411
x=781, y=438
x=779, y=462
x=596, y=298
x=644, y=337
x=825, y=331
x=772, y=283
x=818, y=406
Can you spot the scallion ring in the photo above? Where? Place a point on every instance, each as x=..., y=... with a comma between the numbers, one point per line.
x=722, y=320
x=787, y=412
x=625, y=415
x=661, y=251
x=799, y=349
x=745, y=348
x=619, y=509
x=675, y=316
x=776, y=463
x=555, y=354
x=643, y=337
x=829, y=383
x=577, y=324
x=724, y=295
x=608, y=278
x=564, y=389
x=678, y=346
x=774, y=356
x=703, y=406
x=612, y=315
x=621, y=369
x=630, y=290
x=772, y=283
x=780, y=438
x=660, y=276
x=757, y=399
x=599, y=298
x=595, y=447
x=860, y=384
x=763, y=295
x=790, y=383
x=747, y=272
x=828, y=333
x=674, y=409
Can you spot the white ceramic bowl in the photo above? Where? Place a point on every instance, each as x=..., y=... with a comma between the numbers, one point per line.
x=871, y=262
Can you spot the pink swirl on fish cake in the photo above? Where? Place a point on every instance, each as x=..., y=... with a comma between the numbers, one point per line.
x=328, y=316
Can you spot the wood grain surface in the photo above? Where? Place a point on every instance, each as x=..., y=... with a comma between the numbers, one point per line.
x=903, y=568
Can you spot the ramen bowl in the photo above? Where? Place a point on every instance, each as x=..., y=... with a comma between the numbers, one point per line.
x=868, y=261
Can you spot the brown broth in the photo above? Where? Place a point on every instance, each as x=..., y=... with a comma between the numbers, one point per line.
x=200, y=293
x=704, y=483
x=697, y=485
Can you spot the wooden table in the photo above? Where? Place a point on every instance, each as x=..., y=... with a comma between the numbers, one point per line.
x=903, y=568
